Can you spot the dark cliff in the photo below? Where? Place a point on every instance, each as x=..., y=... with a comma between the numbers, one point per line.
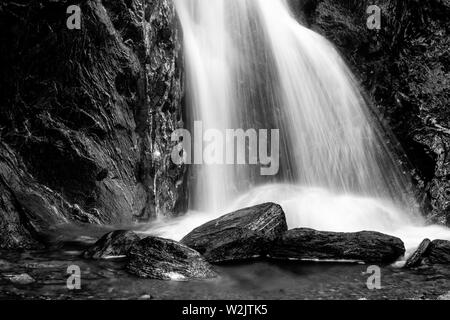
x=86, y=115
x=404, y=69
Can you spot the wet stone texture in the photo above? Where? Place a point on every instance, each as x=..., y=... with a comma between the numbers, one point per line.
x=417, y=257
x=164, y=259
x=86, y=115
x=113, y=244
x=241, y=235
x=439, y=252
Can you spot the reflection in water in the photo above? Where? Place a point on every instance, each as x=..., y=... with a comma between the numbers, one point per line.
x=259, y=280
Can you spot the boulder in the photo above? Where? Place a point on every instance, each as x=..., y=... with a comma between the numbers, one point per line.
x=165, y=259
x=113, y=244
x=439, y=252
x=417, y=257
x=240, y=235
x=308, y=244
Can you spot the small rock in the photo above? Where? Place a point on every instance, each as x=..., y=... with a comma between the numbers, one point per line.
x=309, y=244
x=439, y=252
x=113, y=244
x=165, y=259
x=416, y=258
x=240, y=235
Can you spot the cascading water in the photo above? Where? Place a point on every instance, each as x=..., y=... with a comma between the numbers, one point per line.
x=250, y=64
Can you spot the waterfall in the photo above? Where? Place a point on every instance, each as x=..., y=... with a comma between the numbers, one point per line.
x=250, y=64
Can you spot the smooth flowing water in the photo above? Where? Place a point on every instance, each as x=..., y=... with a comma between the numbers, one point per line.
x=250, y=64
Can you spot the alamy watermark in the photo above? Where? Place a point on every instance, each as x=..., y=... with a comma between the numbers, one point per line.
x=74, y=20
x=374, y=280
x=374, y=19
x=228, y=147
x=74, y=280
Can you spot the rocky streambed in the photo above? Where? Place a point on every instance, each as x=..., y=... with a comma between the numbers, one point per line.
x=247, y=254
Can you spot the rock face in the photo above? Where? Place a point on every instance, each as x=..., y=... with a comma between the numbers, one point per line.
x=116, y=243
x=436, y=252
x=86, y=115
x=403, y=68
x=419, y=255
x=164, y=259
x=240, y=235
x=439, y=252
x=21, y=279
x=310, y=244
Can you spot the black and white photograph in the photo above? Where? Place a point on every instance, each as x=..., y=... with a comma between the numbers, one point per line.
x=203, y=153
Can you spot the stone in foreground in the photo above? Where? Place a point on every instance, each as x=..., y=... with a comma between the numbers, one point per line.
x=113, y=244
x=417, y=257
x=366, y=246
x=164, y=259
x=439, y=252
x=240, y=235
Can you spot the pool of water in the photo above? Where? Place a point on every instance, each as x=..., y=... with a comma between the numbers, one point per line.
x=253, y=280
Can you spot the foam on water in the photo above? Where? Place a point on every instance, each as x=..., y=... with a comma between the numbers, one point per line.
x=318, y=209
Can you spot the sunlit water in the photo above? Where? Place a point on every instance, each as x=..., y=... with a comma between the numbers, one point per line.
x=250, y=64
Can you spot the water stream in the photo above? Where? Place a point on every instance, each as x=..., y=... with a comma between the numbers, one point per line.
x=250, y=64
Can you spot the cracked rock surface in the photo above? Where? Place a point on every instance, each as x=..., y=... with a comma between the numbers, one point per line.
x=86, y=115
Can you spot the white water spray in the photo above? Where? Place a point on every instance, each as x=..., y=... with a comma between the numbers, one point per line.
x=250, y=64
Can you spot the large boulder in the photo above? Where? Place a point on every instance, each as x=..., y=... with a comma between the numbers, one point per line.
x=164, y=259
x=308, y=244
x=439, y=252
x=240, y=235
x=113, y=244
x=418, y=256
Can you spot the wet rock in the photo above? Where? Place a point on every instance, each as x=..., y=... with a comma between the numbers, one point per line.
x=240, y=235
x=78, y=131
x=164, y=259
x=416, y=259
x=113, y=244
x=21, y=279
x=25, y=206
x=363, y=246
x=439, y=252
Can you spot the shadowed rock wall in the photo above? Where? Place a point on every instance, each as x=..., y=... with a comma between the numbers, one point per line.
x=86, y=115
